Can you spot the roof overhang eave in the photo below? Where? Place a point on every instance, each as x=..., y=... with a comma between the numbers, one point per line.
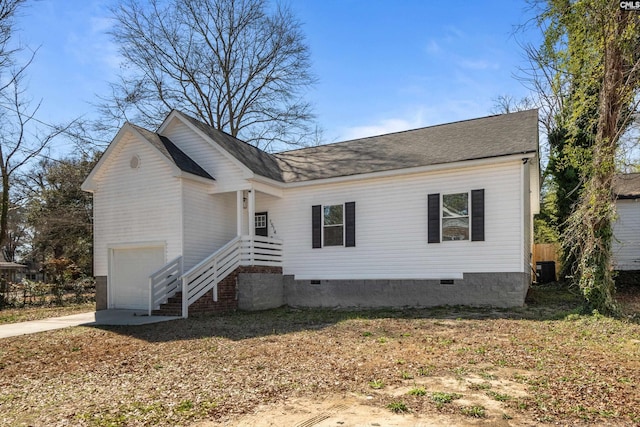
x=525, y=155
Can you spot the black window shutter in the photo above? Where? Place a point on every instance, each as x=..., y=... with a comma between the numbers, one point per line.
x=433, y=222
x=477, y=215
x=316, y=226
x=350, y=224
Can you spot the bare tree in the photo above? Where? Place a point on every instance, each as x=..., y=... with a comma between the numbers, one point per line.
x=504, y=104
x=240, y=66
x=21, y=140
x=8, y=9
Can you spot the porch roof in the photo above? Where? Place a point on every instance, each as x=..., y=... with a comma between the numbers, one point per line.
x=4, y=265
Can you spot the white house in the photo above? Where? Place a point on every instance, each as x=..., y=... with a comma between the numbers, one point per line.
x=626, y=229
x=432, y=216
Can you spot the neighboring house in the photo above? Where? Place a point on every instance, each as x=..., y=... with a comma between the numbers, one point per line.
x=432, y=216
x=626, y=229
x=11, y=271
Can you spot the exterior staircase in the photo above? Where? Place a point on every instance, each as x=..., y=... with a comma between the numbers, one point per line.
x=227, y=299
x=211, y=285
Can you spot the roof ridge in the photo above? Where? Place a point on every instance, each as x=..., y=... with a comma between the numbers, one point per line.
x=223, y=132
x=405, y=131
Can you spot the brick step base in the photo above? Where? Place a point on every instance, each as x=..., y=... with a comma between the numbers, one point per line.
x=227, y=300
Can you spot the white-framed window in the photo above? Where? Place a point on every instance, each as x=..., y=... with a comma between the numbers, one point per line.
x=333, y=225
x=455, y=216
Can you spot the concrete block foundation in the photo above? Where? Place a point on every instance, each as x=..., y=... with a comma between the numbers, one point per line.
x=263, y=288
x=260, y=291
x=101, y=293
x=475, y=289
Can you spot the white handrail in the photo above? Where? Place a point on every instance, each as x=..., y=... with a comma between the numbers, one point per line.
x=164, y=283
x=240, y=251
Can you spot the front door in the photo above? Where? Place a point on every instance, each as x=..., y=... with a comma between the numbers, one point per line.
x=262, y=222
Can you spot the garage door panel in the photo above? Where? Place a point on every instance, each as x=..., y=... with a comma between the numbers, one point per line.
x=130, y=270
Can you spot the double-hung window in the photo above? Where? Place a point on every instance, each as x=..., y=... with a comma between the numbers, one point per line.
x=455, y=216
x=333, y=225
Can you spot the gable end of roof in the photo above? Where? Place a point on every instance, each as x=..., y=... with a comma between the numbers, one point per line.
x=173, y=153
x=256, y=160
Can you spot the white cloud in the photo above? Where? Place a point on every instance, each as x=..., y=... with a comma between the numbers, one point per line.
x=100, y=25
x=420, y=116
x=432, y=47
x=90, y=44
x=414, y=119
x=452, y=33
x=384, y=126
x=478, y=64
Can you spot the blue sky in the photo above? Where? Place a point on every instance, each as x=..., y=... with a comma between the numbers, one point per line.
x=382, y=65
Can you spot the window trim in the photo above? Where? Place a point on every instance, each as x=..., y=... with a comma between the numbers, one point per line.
x=467, y=216
x=476, y=211
x=324, y=226
x=348, y=225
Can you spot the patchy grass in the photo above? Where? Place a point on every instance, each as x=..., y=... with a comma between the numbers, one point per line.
x=443, y=398
x=540, y=364
x=474, y=411
x=16, y=315
x=376, y=384
x=417, y=391
x=398, y=407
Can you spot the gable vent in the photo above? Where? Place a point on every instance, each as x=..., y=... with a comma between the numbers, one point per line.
x=134, y=162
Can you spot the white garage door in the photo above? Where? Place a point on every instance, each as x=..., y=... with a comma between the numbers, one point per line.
x=130, y=270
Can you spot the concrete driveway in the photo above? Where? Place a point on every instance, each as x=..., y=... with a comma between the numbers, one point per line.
x=103, y=317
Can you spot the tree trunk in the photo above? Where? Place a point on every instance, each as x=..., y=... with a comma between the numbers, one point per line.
x=4, y=209
x=593, y=219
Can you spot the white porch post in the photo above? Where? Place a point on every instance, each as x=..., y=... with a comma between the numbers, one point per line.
x=239, y=208
x=252, y=213
x=252, y=221
x=185, y=298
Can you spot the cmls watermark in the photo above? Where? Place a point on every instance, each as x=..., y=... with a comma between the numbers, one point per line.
x=630, y=5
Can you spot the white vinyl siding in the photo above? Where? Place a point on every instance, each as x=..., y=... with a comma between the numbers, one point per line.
x=527, y=226
x=228, y=176
x=391, y=226
x=209, y=222
x=626, y=231
x=133, y=206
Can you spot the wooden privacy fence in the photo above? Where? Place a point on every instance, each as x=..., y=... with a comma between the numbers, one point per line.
x=547, y=252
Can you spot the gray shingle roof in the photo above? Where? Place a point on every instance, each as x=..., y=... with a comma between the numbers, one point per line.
x=493, y=136
x=258, y=161
x=487, y=137
x=627, y=186
x=173, y=153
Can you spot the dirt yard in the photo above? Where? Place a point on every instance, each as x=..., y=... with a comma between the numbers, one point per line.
x=446, y=366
